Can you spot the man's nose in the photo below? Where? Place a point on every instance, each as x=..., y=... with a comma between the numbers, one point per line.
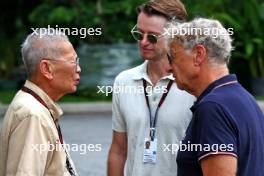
x=144, y=41
x=78, y=69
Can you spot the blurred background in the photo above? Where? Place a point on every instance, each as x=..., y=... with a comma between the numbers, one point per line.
x=104, y=56
x=88, y=113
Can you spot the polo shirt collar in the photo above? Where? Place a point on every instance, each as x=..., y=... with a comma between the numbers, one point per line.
x=216, y=83
x=142, y=73
x=53, y=107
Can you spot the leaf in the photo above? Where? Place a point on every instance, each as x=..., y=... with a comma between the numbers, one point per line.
x=97, y=20
x=230, y=20
x=261, y=11
x=251, y=9
x=249, y=49
x=61, y=15
x=37, y=15
x=258, y=41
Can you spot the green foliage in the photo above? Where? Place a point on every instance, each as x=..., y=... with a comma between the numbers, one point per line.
x=246, y=18
x=117, y=17
x=92, y=93
x=46, y=14
x=6, y=96
x=81, y=14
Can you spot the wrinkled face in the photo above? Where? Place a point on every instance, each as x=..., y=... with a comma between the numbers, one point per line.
x=151, y=25
x=66, y=73
x=182, y=66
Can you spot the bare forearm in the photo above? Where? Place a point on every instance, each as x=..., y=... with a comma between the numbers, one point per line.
x=117, y=155
x=219, y=165
x=116, y=163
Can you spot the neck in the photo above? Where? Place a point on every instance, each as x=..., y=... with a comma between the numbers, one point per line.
x=47, y=88
x=206, y=79
x=156, y=69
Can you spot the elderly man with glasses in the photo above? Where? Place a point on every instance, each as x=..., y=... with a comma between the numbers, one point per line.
x=155, y=113
x=226, y=134
x=31, y=140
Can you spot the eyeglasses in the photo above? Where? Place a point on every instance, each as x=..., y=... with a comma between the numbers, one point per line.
x=170, y=58
x=152, y=38
x=76, y=62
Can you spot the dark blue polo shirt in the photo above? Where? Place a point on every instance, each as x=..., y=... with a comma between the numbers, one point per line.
x=226, y=120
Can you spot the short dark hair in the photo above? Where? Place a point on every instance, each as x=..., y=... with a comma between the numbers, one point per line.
x=169, y=9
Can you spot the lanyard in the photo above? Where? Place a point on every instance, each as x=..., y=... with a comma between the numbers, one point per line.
x=153, y=119
x=31, y=92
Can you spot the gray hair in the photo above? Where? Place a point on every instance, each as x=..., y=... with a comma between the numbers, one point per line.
x=40, y=44
x=207, y=32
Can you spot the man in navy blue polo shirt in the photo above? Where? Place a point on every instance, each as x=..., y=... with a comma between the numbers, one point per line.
x=226, y=134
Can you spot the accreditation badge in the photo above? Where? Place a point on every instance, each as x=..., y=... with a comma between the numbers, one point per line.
x=150, y=151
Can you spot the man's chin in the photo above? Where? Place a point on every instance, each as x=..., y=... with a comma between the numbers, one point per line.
x=73, y=90
x=147, y=58
x=184, y=87
x=179, y=85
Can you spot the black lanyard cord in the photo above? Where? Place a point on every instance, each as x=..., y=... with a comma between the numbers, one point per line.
x=152, y=119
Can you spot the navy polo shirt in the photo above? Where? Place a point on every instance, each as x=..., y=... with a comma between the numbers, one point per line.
x=226, y=120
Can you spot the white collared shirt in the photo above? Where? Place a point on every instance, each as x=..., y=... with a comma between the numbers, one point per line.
x=131, y=115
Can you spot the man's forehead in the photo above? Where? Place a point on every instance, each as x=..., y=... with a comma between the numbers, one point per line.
x=68, y=49
x=150, y=23
x=176, y=45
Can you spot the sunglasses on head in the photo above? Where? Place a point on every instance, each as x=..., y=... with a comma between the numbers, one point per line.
x=152, y=38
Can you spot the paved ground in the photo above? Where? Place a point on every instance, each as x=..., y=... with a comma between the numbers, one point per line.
x=88, y=129
x=84, y=108
x=76, y=108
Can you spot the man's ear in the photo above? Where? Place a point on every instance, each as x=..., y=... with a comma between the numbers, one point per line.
x=200, y=54
x=46, y=69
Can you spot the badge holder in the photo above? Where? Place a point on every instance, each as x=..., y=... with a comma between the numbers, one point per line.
x=150, y=148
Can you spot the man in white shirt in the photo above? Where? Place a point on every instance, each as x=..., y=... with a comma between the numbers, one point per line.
x=155, y=110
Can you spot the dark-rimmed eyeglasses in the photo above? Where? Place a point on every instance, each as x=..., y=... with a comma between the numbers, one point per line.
x=171, y=58
x=76, y=62
x=152, y=38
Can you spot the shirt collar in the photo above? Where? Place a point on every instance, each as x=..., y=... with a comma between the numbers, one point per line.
x=142, y=73
x=54, y=108
x=213, y=85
